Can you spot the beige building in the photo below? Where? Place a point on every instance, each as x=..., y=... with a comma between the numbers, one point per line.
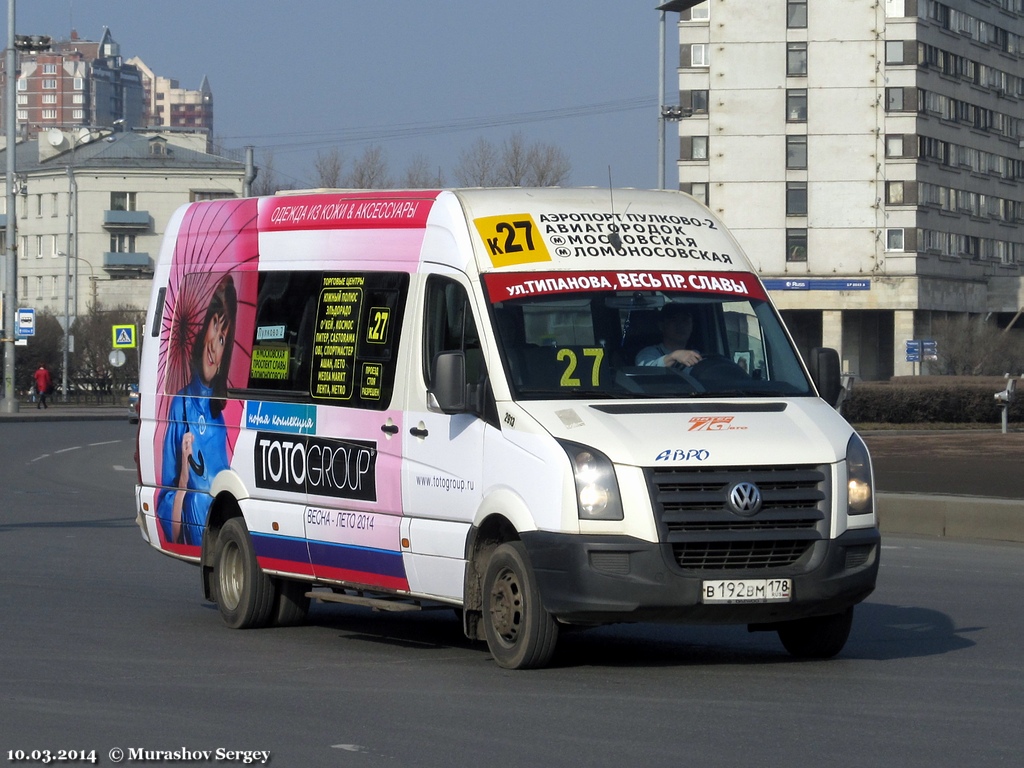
x=94, y=204
x=868, y=156
x=168, y=104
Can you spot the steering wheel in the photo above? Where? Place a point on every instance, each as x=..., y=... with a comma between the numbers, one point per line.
x=717, y=368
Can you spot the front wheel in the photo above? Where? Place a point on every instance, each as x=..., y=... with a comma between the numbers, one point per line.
x=245, y=595
x=817, y=637
x=520, y=633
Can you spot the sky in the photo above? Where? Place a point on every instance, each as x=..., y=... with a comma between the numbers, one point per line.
x=416, y=78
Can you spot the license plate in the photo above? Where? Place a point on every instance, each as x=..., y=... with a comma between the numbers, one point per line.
x=747, y=591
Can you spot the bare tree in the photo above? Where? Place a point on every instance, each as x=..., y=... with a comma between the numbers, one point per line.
x=328, y=167
x=548, y=166
x=517, y=165
x=478, y=165
x=266, y=182
x=370, y=171
x=420, y=174
x=514, y=166
x=970, y=346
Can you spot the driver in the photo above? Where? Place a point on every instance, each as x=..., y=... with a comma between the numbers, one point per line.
x=676, y=323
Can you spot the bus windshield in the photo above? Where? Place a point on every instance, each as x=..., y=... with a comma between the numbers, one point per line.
x=641, y=335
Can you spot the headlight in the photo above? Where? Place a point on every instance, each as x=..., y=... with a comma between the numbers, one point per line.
x=860, y=484
x=597, y=492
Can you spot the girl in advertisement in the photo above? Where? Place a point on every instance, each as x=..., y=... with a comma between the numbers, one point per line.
x=195, y=446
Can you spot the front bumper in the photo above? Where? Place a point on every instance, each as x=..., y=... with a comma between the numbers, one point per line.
x=607, y=579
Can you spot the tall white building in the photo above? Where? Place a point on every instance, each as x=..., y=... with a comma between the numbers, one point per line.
x=868, y=155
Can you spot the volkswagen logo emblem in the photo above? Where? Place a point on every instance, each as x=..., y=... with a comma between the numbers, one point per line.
x=745, y=499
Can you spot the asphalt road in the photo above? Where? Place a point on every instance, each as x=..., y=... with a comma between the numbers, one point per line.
x=108, y=645
x=972, y=462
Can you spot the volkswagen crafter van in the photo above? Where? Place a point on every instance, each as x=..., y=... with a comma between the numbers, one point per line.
x=423, y=398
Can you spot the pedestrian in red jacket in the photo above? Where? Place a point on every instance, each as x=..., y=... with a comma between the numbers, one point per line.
x=43, y=385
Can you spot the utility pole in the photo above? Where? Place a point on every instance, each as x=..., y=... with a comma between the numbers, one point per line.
x=11, y=297
x=14, y=44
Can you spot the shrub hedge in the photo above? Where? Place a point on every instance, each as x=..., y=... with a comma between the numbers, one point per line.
x=931, y=399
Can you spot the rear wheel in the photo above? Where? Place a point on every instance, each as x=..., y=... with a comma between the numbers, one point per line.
x=817, y=637
x=245, y=595
x=520, y=633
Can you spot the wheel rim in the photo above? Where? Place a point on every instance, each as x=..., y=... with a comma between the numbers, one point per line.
x=231, y=576
x=506, y=607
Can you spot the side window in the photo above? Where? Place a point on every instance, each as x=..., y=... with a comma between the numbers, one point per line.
x=329, y=336
x=449, y=326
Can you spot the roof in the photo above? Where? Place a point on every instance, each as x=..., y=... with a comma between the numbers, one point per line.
x=127, y=150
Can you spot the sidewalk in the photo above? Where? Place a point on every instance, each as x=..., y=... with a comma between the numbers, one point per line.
x=61, y=412
x=908, y=501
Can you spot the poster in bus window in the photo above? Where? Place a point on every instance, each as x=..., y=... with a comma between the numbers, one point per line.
x=206, y=336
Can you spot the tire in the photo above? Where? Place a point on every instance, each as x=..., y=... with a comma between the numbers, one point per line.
x=245, y=595
x=817, y=637
x=291, y=604
x=520, y=633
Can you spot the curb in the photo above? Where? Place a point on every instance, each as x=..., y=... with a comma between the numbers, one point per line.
x=954, y=517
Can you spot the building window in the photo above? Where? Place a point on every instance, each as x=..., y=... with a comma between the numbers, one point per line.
x=121, y=243
x=39, y=246
x=894, y=239
x=894, y=52
x=894, y=145
x=699, y=55
x=77, y=114
x=796, y=60
x=893, y=99
x=79, y=84
x=699, y=148
x=23, y=115
x=796, y=105
x=49, y=85
x=202, y=194
x=78, y=98
x=49, y=98
x=894, y=193
x=796, y=14
x=49, y=69
x=54, y=285
x=796, y=245
x=698, y=101
x=22, y=84
x=796, y=152
x=701, y=12
x=54, y=251
x=49, y=114
x=700, y=192
x=796, y=198
x=122, y=201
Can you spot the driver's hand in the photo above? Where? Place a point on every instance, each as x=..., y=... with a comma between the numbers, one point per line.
x=684, y=357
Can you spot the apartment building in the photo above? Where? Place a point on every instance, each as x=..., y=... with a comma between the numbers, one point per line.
x=76, y=83
x=92, y=206
x=168, y=104
x=868, y=155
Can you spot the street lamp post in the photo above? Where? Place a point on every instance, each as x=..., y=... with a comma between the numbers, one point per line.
x=10, y=299
x=35, y=45
x=666, y=113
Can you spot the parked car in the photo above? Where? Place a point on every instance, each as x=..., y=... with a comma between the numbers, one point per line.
x=133, y=403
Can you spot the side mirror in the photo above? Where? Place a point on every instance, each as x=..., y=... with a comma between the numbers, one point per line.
x=824, y=366
x=449, y=382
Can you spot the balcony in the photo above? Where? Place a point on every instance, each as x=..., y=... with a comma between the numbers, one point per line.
x=126, y=220
x=119, y=265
